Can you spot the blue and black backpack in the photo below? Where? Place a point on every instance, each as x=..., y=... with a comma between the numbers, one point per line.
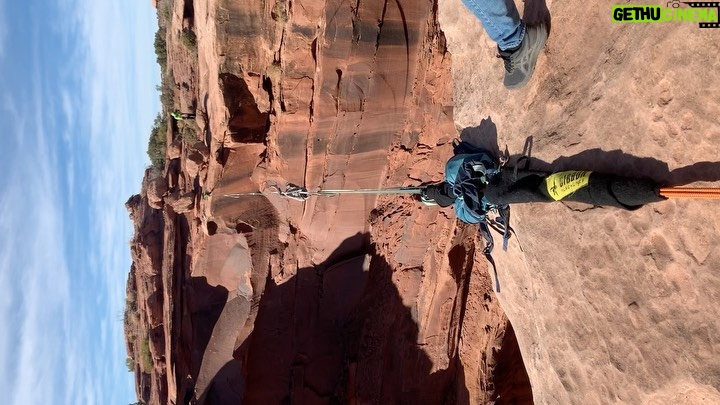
x=469, y=171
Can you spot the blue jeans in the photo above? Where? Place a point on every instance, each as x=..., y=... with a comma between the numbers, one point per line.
x=501, y=21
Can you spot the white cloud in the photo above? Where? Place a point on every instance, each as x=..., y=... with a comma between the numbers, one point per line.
x=10, y=109
x=119, y=102
x=10, y=299
x=66, y=340
x=34, y=271
x=3, y=30
x=69, y=106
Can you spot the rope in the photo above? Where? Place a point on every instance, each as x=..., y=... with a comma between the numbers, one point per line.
x=300, y=193
x=396, y=190
x=689, y=192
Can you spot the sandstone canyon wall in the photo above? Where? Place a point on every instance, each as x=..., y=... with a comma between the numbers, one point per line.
x=379, y=299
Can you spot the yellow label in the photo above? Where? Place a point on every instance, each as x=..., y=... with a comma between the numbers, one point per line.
x=562, y=184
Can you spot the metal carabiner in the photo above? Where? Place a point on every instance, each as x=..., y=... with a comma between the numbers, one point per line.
x=297, y=193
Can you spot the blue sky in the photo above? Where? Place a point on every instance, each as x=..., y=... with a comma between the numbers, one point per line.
x=77, y=98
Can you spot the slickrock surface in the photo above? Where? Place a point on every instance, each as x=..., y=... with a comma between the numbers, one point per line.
x=608, y=306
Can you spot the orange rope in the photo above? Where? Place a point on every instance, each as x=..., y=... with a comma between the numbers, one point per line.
x=689, y=192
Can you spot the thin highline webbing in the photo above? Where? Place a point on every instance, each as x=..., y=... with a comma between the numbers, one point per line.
x=301, y=193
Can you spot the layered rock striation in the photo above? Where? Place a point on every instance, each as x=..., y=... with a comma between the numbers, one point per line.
x=360, y=299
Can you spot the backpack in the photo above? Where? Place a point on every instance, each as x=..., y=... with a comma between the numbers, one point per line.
x=469, y=171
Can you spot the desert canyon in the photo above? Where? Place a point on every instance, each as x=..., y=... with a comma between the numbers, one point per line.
x=379, y=299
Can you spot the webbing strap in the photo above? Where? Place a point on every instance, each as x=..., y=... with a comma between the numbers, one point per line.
x=501, y=225
x=492, y=263
x=487, y=251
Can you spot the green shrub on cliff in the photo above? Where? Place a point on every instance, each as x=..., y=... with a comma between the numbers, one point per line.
x=130, y=364
x=161, y=48
x=189, y=39
x=157, y=144
x=167, y=91
x=145, y=358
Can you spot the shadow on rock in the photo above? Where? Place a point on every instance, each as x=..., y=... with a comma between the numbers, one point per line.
x=610, y=162
x=624, y=164
x=332, y=334
x=536, y=12
x=483, y=136
x=512, y=384
x=208, y=303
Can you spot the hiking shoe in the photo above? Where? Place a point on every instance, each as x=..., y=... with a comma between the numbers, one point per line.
x=520, y=62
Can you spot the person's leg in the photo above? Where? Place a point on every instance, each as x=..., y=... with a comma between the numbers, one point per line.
x=501, y=21
x=518, y=45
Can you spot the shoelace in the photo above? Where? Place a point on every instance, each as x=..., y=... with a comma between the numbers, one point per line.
x=507, y=60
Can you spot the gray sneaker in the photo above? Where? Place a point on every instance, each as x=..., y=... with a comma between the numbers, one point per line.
x=520, y=62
